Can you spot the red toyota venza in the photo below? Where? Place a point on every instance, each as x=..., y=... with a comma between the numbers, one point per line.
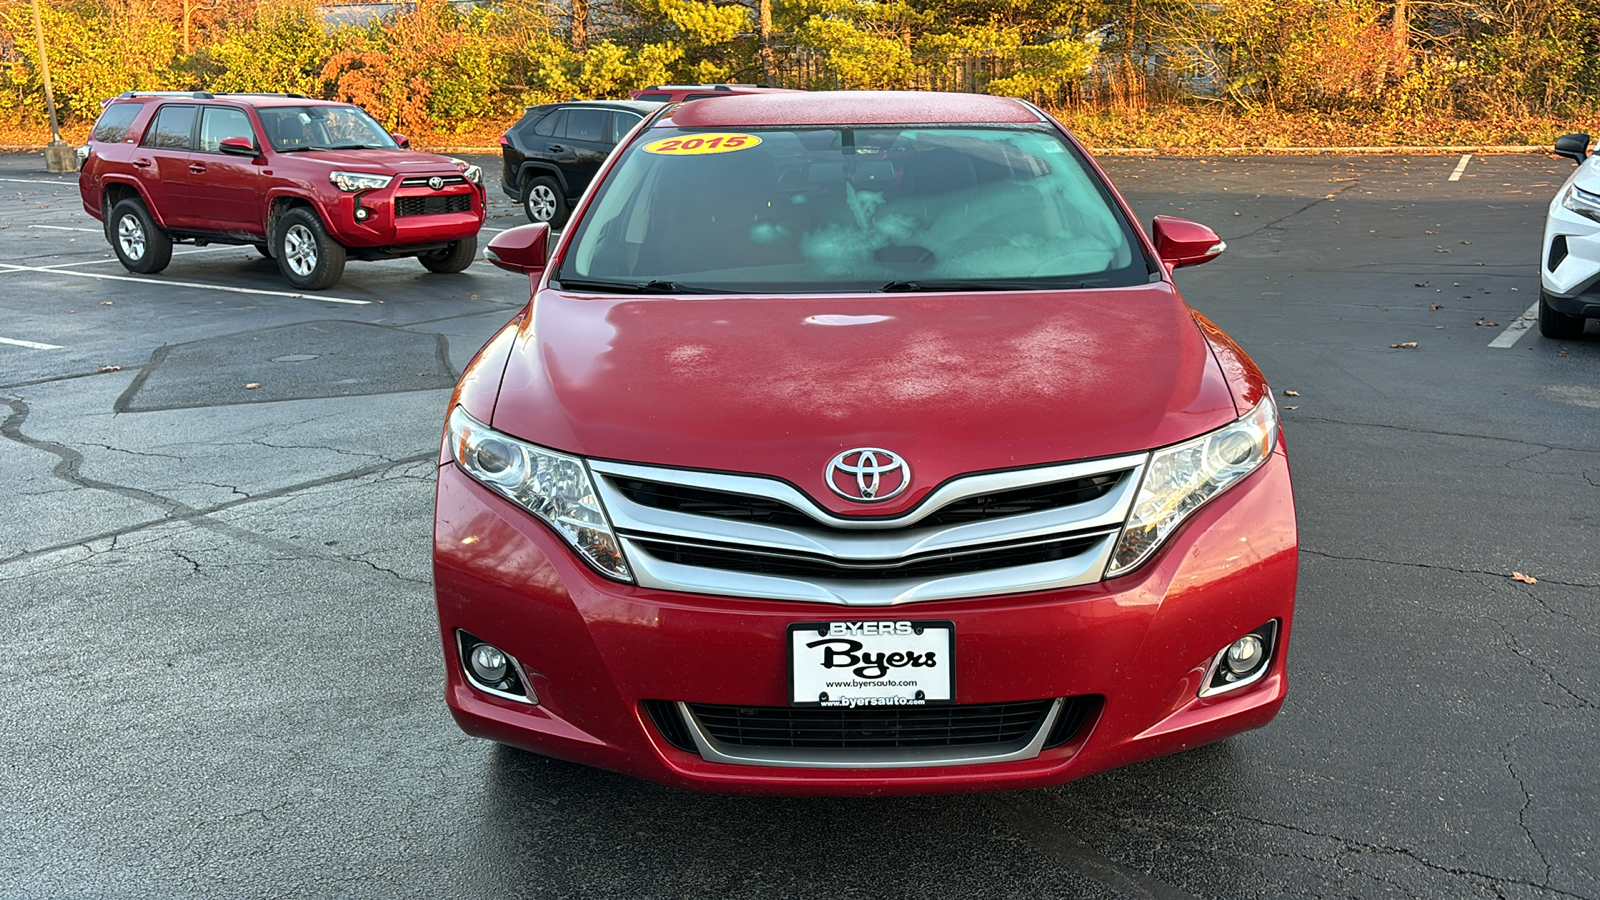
x=859, y=443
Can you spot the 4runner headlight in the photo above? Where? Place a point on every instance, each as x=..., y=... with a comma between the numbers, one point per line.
x=555, y=487
x=1582, y=202
x=472, y=173
x=1181, y=478
x=350, y=182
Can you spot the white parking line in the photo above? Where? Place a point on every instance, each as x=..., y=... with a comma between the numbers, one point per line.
x=1460, y=167
x=65, y=228
x=31, y=345
x=38, y=181
x=186, y=284
x=1518, y=327
x=112, y=259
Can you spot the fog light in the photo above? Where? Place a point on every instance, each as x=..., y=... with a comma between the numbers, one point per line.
x=1243, y=655
x=492, y=670
x=489, y=664
x=1241, y=663
x=361, y=214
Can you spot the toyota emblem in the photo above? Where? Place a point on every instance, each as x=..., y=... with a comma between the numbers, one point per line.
x=436, y=182
x=868, y=474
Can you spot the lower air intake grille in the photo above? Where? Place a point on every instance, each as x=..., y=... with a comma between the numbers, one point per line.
x=432, y=206
x=664, y=715
x=871, y=728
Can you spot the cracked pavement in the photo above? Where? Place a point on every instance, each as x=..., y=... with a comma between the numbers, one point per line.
x=223, y=677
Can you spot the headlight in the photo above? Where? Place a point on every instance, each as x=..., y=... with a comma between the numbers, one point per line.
x=472, y=173
x=553, y=486
x=1180, y=479
x=1582, y=202
x=351, y=182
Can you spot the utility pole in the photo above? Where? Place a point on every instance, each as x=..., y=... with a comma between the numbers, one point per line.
x=58, y=157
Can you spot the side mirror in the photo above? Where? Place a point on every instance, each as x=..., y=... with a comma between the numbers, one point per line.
x=1573, y=146
x=402, y=140
x=238, y=146
x=1181, y=242
x=521, y=249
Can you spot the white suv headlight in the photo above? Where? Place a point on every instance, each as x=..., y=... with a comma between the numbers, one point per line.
x=553, y=486
x=471, y=172
x=1582, y=202
x=1181, y=478
x=350, y=182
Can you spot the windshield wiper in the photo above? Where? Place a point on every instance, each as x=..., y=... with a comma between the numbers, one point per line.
x=302, y=149
x=633, y=287
x=979, y=285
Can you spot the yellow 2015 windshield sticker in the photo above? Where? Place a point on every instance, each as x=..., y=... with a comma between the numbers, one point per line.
x=700, y=144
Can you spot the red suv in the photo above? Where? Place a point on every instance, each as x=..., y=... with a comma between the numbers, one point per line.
x=307, y=182
x=861, y=443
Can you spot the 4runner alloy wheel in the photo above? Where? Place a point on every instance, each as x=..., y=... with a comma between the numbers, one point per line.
x=542, y=201
x=307, y=256
x=139, y=243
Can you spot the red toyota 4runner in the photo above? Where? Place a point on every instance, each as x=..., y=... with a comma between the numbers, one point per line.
x=307, y=182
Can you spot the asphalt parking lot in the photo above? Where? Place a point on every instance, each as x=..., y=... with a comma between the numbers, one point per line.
x=223, y=673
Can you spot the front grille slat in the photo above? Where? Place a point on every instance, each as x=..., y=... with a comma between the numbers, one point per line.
x=728, y=505
x=742, y=559
x=422, y=180
x=872, y=728
x=432, y=206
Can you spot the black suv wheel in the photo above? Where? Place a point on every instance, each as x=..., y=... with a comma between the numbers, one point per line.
x=140, y=244
x=543, y=202
x=1556, y=324
x=454, y=258
x=307, y=256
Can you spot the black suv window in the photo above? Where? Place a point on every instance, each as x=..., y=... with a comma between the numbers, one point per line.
x=620, y=123
x=551, y=125
x=171, y=129
x=591, y=125
x=218, y=122
x=112, y=126
x=655, y=95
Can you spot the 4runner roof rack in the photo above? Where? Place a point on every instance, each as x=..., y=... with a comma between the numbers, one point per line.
x=708, y=87
x=192, y=95
x=208, y=95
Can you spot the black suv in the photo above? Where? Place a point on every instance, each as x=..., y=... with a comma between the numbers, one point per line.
x=554, y=149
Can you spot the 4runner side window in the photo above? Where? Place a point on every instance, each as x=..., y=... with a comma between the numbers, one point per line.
x=112, y=126
x=171, y=128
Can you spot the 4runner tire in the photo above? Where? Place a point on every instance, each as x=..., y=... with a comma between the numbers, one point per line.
x=307, y=256
x=543, y=201
x=452, y=259
x=1556, y=324
x=140, y=244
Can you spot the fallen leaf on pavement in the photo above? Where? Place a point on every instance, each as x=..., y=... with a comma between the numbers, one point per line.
x=111, y=368
x=107, y=303
x=252, y=385
x=1525, y=579
x=1436, y=306
x=1408, y=345
x=1291, y=393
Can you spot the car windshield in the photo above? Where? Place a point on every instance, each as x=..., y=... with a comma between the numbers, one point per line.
x=292, y=128
x=849, y=209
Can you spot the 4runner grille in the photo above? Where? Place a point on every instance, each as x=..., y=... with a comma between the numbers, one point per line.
x=432, y=206
x=978, y=535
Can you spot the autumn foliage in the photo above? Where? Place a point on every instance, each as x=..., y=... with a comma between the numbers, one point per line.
x=432, y=66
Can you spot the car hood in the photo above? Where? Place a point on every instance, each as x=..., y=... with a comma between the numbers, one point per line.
x=779, y=385
x=382, y=162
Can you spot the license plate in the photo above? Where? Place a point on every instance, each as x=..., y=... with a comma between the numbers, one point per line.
x=890, y=663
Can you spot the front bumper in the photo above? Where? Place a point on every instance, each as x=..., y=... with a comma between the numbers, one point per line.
x=596, y=650
x=385, y=227
x=1569, y=262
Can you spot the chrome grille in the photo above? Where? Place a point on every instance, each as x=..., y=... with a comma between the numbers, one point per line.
x=422, y=180
x=977, y=535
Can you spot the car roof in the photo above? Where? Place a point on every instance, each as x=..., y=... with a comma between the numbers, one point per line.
x=638, y=106
x=851, y=108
